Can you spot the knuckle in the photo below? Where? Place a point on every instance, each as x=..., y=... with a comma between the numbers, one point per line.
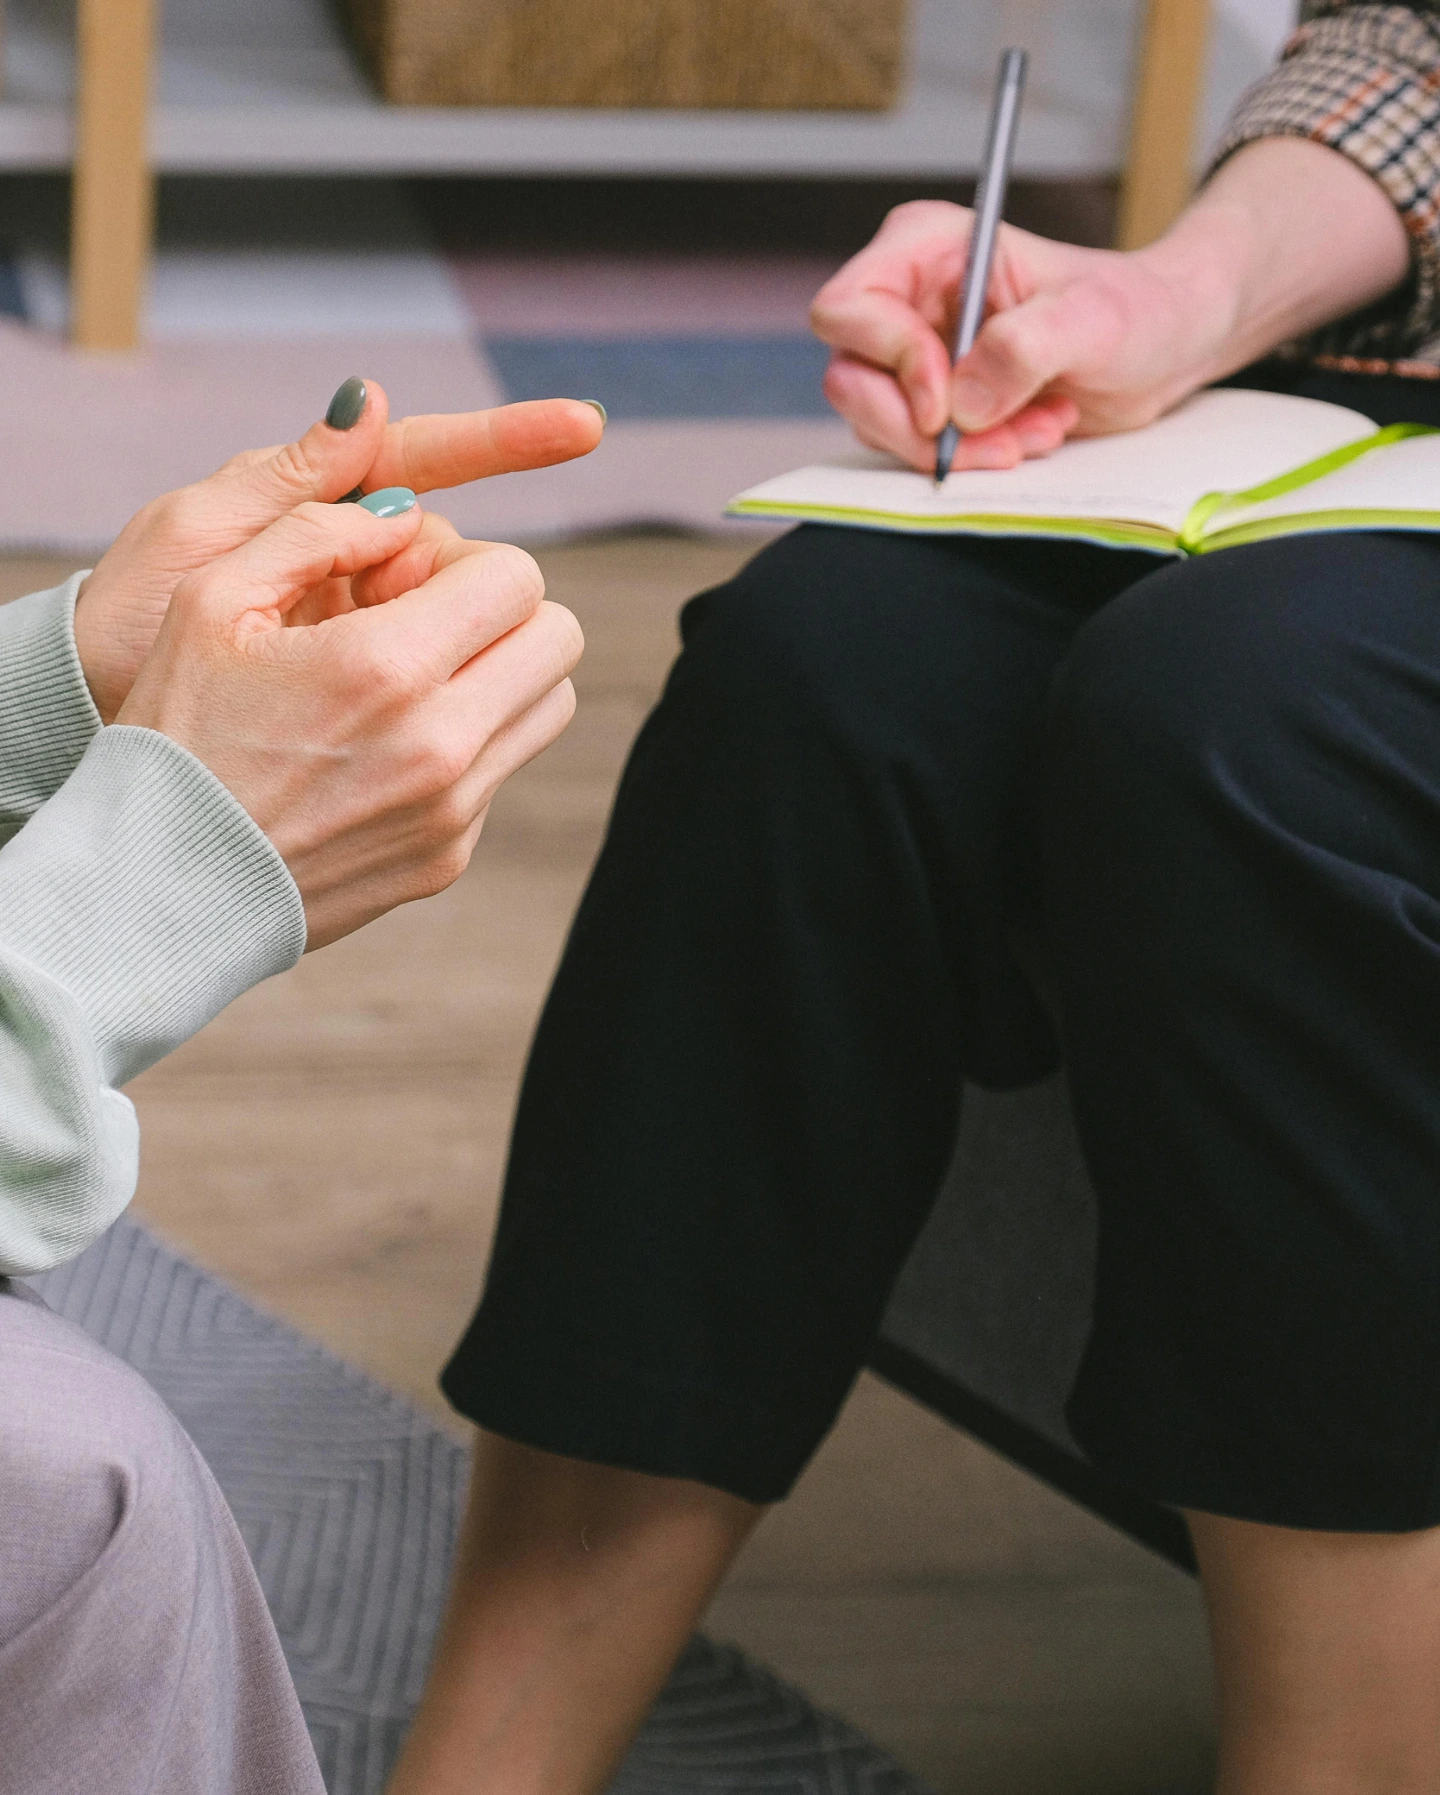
x=444, y=866
x=293, y=469
x=389, y=679
x=518, y=575
x=919, y=211
x=437, y=760
x=563, y=709
x=567, y=639
x=455, y=857
x=295, y=535
x=427, y=881
x=241, y=464
x=451, y=811
x=190, y=590
x=839, y=382
x=1012, y=348
x=440, y=765
x=170, y=512
x=406, y=444
x=313, y=532
x=196, y=590
x=925, y=217
x=826, y=306
x=320, y=520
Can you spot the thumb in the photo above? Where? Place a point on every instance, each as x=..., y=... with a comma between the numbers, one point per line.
x=1017, y=353
x=327, y=463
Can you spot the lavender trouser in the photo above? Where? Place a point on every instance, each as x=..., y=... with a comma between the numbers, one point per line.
x=137, y=1656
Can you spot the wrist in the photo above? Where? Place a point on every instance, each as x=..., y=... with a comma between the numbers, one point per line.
x=91, y=652
x=47, y=716
x=1200, y=265
x=1286, y=236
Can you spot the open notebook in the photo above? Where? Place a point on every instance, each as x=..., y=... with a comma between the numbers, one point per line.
x=1226, y=467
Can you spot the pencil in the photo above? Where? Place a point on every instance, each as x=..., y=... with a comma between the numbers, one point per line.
x=989, y=203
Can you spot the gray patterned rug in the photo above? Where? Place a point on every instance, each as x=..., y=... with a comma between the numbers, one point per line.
x=348, y=1498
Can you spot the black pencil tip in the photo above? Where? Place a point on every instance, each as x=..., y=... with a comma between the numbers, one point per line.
x=945, y=447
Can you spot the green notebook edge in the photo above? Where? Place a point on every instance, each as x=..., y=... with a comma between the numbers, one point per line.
x=1112, y=535
x=1195, y=536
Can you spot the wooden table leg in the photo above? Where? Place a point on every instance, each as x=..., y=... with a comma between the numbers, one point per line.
x=1158, y=175
x=112, y=203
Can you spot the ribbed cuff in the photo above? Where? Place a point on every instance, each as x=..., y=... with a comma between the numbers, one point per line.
x=47, y=717
x=146, y=890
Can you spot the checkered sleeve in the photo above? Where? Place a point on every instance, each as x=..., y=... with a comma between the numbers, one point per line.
x=1365, y=80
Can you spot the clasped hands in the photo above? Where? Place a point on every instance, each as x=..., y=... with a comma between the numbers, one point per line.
x=363, y=685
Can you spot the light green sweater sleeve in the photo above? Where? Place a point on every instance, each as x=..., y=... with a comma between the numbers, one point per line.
x=47, y=717
x=135, y=903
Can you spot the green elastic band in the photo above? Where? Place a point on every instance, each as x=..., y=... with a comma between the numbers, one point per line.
x=1192, y=532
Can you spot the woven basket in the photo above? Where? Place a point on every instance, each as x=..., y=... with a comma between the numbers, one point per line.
x=777, y=54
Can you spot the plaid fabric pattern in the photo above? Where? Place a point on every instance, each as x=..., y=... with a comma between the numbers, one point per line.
x=1365, y=80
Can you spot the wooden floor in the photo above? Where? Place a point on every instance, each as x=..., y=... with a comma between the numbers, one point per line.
x=333, y=1145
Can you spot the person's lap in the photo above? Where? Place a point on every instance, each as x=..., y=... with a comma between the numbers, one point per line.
x=1212, y=787
x=743, y=1089
x=1243, y=894
x=136, y=1650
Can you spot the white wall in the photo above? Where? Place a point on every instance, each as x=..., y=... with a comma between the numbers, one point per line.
x=1245, y=39
x=1083, y=55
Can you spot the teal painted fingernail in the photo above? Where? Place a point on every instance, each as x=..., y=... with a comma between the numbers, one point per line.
x=347, y=405
x=604, y=415
x=390, y=501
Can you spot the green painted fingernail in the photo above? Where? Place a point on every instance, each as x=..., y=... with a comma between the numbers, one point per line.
x=604, y=415
x=347, y=405
x=390, y=501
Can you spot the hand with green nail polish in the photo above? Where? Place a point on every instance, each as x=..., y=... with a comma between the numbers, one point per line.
x=368, y=745
x=390, y=501
x=355, y=450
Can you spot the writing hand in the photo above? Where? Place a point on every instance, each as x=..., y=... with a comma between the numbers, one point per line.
x=1286, y=236
x=1074, y=340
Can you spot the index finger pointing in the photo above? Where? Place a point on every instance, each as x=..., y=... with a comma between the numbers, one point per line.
x=451, y=448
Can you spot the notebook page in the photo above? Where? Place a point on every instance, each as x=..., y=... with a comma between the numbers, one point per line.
x=1403, y=476
x=1231, y=439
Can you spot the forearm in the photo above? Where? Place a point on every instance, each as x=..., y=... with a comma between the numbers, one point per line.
x=1363, y=81
x=135, y=904
x=1285, y=237
x=47, y=718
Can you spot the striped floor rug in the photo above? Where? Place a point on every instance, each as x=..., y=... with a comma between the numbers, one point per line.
x=348, y=1498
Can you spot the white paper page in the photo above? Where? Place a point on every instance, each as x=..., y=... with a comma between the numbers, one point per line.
x=1403, y=476
x=1224, y=439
